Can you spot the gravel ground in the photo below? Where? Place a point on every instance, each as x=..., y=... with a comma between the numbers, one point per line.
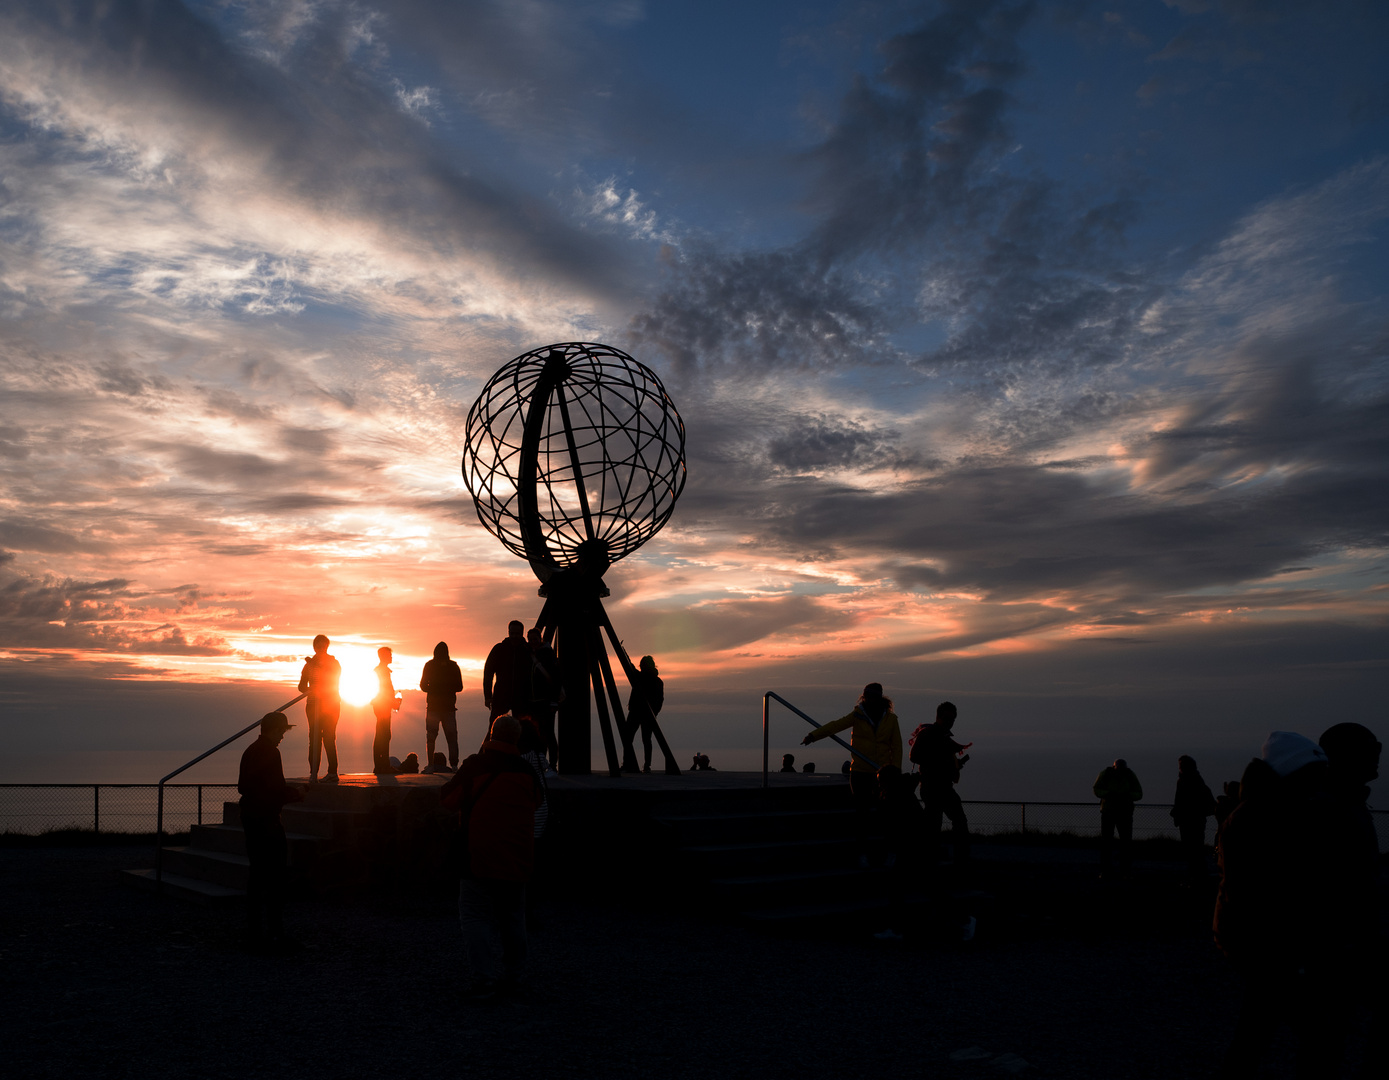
x=101, y=980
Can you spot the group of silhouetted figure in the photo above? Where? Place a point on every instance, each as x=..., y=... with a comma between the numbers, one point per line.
x=1297, y=851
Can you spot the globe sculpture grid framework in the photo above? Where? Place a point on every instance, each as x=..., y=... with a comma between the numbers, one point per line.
x=608, y=412
x=575, y=457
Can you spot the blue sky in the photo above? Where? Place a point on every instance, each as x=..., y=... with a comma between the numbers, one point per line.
x=1006, y=335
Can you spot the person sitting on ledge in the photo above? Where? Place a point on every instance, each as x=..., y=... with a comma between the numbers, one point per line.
x=701, y=763
x=788, y=762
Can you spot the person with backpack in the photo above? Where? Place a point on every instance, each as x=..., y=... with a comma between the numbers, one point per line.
x=877, y=737
x=939, y=759
x=497, y=793
x=442, y=682
x=1191, y=806
x=507, y=674
x=1117, y=788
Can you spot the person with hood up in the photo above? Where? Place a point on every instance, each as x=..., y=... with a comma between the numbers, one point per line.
x=1271, y=916
x=1191, y=806
x=878, y=738
x=1118, y=789
x=497, y=793
x=441, y=682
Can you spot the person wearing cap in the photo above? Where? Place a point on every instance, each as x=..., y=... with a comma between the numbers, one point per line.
x=264, y=793
x=1117, y=788
x=320, y=680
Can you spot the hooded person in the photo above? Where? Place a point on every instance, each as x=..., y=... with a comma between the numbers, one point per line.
x=1192, y=804
x=1271, y=917
x=497, y=793
x=877, y=737
x=441, y=682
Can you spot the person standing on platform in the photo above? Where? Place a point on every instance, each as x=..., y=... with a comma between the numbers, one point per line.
x=644, y=704
x=937, y=755
x=877, y=737
x=442, y=682
x=497, y=793
x=1118, y=789
x=382, y=705
x=1191, y=806
x=546, y=694
x=264, y=794
x=319, y=679
x=506, y=677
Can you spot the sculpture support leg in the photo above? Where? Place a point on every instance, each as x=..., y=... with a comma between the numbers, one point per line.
x=672, y=769
x=575, y=720
x=609, y=747
x=626, y=726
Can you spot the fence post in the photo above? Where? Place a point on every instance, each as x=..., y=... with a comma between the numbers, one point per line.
x=1024, y=817
x=96, y=808
x=200, y=804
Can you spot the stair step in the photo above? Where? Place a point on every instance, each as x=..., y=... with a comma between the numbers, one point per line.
x=730, y=860
x=762, y=825
x=817, y=885
x=184, y=888
x=231, y=839
x=218, y=867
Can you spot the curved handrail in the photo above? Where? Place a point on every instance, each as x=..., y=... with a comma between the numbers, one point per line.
x=159, y=813
x=766, y=710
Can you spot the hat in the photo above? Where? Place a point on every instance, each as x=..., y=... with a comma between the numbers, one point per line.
x=1287, y=751
x=274, y=721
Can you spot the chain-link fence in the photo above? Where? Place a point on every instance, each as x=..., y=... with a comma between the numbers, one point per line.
x=32, y=809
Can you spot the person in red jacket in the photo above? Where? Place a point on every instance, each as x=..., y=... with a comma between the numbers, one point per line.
x=497, y=793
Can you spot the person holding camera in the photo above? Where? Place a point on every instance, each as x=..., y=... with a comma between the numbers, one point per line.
x=940, y=759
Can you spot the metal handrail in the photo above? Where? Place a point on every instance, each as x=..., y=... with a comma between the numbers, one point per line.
x=159, y=813
x=766, y=710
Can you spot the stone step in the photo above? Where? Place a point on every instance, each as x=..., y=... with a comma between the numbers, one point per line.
x=816, y=886
x=731, y=860
x=218, y=867
x=231, y=839
x=770, y=825
x=833, y=795
x=303, y=820
x=180, y=887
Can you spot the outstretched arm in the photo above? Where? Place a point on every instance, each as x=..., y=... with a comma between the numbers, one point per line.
x=824, y=731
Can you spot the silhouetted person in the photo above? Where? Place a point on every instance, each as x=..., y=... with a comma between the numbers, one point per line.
x=937, y=755
x=1355, y=947
x=382, y=705
x=1225, y=803
x=808, y=767
x=843, y=769
x=441, y=682
x=1272, y=920
x=644, y=704
x=1191, y=805
x=877, y=737
x=546, y=690
x=788, y=762
x=701, y=763
x=506, y=677
x=497, y=793
x=1118, y=789
x=264, y=793
x=319, y=679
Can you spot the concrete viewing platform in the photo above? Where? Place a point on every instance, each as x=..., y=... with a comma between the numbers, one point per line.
x=655, y=781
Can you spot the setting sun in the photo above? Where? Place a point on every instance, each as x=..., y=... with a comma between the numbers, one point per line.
x=358, y=684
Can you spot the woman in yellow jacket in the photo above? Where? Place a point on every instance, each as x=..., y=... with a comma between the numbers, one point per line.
x=877, y=737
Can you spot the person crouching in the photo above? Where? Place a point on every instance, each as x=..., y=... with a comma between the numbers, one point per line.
x=497, y=794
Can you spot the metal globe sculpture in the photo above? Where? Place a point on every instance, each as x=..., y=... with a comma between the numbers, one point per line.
x=575, y=457
x=574, y=446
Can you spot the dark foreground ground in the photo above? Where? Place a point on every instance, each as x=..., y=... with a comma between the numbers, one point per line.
x=103, y=981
